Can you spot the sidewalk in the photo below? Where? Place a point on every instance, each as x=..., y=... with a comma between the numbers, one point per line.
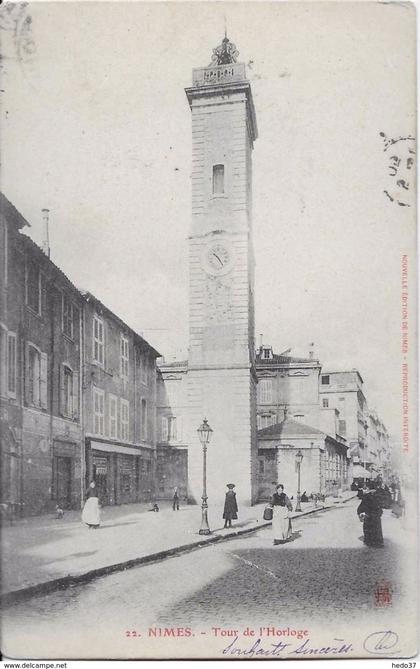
x=43, y=554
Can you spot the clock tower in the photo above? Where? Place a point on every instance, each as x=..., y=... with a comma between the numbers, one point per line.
x=221, y=379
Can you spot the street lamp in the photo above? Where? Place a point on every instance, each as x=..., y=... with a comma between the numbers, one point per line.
x=299, y=458
x=204, y=434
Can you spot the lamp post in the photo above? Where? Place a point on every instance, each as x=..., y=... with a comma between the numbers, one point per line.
x=204, y=434
x=364, y=454
x=299, y=458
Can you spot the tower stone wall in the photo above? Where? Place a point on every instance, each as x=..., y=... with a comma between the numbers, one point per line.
x=221, y=379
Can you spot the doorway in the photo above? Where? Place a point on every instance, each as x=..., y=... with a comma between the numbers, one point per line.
x=63, y=481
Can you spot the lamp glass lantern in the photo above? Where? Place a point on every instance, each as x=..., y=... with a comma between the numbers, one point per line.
x=299, y=457
x=204, y=433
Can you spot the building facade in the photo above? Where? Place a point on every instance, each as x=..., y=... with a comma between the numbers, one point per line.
x=119, y=390
x=41, y=363
x=77, y=388
x=287, y=382
x=343, y=391
x=324, y=467
x=172, y=443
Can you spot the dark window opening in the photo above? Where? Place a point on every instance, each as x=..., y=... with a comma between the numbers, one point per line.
x=218, y=179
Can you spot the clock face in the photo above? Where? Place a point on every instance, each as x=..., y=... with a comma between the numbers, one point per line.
x=218, y=257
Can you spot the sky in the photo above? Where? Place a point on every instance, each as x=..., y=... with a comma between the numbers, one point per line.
x=96, y=127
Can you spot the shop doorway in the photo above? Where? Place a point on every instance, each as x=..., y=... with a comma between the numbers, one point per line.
x=63, y=481
x=100, y=476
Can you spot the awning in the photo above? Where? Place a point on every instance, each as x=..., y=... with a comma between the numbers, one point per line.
x=360, y=472
x=114, y=448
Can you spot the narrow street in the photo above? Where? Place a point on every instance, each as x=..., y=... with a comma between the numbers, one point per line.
x=324, y=575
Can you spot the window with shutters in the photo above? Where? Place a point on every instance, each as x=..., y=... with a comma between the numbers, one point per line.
x=124, y=419
x=218, y=179
x=265, y=421
x=36, y=377
x=98, y=412
x=342, y=428
x=124, y=358
x=172, y=431
x=144, y=371
x=68, y=320
x=11, y=364
x=6, y=255
x=265, y=390
x=98, y=340
x=325, y=402
x=143, y=419
x=67, y=391
x=33, y=286
x=113, y=418
x=164, y=429
x=3, y=361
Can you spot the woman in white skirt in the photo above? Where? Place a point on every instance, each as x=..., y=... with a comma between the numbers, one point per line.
x=91, y=514
x=282, y=507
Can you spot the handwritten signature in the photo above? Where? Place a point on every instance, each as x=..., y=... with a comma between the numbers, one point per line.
x=381, y=643
x=275, y=649
x=378, y=643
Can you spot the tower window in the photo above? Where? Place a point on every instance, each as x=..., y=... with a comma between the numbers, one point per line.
x=218, y=179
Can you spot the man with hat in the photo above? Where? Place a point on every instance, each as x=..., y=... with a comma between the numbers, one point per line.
x=230, y=511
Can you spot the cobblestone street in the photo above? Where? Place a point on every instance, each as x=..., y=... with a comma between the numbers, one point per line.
x=324, y=575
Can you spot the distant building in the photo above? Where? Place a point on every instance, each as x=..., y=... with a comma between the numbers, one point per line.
x=286, y=381
x=343, y=391
x=378, y=447
x=324, y=468
x=172, y=446
x=119, y=385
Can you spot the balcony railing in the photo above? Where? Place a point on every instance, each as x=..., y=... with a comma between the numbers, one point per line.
x=219, y=74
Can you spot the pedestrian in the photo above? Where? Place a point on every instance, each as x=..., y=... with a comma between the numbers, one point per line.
x=384, y=493
x=175, y=500
x=91, y=514
x=154, y=507
x=370, y=512
x=230, y=511
x=282, y=507
x=59, y=512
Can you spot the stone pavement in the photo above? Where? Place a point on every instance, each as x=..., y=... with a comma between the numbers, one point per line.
x=43, y=554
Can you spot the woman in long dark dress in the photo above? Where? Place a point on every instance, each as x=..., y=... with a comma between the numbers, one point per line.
x=370, y=511
x=230, y=511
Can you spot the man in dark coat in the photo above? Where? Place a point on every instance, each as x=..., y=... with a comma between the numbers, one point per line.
x=230, y=511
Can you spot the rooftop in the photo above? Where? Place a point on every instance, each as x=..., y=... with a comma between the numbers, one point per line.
x=288, y=427
x=9, y=211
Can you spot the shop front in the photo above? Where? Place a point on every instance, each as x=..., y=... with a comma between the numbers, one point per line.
x=123, y=474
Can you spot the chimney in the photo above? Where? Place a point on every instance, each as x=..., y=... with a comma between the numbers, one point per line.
x=46, y=232
x=311, y=349
x=261, y=341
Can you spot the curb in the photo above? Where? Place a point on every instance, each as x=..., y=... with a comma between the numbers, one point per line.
x=64, y=582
